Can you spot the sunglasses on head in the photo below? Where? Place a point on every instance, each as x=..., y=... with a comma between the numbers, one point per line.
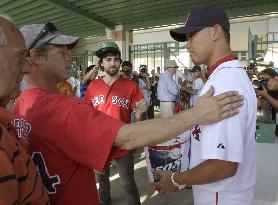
x=48, y=28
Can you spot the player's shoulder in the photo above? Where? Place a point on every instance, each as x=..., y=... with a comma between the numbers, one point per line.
x=128, y=82
x=95, y=81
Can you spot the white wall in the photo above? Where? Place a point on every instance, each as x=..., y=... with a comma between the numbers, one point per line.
x=259, y=25
x=156, y=35
x=273, y=24
x=88, y=44
x=239, y=31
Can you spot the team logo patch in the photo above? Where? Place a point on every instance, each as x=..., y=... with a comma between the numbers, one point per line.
x=23, y=129
x=196, y=131
x=187, y=19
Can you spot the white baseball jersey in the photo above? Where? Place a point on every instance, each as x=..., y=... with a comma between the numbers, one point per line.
x=232, y=139
x=197, y=85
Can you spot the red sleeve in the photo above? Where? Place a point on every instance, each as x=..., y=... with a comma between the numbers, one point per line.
x=90, y=135
x=136, y=97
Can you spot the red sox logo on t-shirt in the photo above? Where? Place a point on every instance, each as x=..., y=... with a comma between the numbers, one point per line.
x=23, y=129
x=115, y=100
x=97, y=100
x=196, y=131
x=121, y=102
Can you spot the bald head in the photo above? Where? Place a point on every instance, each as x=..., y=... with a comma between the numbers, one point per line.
x=13, y=62
x=8, y=33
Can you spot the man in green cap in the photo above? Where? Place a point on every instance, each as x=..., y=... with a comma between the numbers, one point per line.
x=118, y=97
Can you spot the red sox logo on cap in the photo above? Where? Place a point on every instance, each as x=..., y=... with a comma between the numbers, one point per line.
x=187, y=19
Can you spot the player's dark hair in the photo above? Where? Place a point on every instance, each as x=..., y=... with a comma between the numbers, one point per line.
x=109, y=53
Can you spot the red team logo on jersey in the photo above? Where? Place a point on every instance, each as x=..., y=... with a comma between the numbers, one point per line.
x=196, y=131
x=121, y=102
x=23, y=129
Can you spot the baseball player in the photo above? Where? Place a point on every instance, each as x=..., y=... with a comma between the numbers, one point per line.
x=197, y=84
x=20, y=182
x=223, y=155
x=117, y=97
x=70, y=138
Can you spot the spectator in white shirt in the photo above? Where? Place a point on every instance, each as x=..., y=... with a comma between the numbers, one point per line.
x=197, y=84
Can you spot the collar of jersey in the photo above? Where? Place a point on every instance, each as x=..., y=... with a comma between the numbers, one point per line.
x=119, y=79
x=223, y=60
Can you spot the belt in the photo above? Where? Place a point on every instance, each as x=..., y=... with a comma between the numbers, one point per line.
x=167, y=101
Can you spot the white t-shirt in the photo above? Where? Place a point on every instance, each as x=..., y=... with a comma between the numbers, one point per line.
x=197, y=85
x=146, y=93
x=77, y=93
x=74, y=84
x=232, y=139
x=178, y=75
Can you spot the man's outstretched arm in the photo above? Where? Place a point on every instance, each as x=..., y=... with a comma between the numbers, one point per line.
x=208, y=110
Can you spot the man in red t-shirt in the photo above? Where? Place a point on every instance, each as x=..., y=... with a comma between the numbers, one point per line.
x=117, y=97
x=70, y=138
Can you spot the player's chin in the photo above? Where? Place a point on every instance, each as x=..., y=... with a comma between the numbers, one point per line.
x=113, y=72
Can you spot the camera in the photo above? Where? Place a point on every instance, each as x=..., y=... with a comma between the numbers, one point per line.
x=143, y=71
x=259, y=84
x=127, y=71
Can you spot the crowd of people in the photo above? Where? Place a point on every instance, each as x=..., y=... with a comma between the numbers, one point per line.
x=64, y=130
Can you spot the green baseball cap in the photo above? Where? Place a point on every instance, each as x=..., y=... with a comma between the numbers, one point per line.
x=109, y=46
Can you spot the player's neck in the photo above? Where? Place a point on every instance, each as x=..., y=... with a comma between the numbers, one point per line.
x=218, y=55
x=109, y=80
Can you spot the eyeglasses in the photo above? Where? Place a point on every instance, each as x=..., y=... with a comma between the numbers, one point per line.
x=48, y=28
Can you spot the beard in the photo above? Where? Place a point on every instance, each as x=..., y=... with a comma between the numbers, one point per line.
x=112, y=71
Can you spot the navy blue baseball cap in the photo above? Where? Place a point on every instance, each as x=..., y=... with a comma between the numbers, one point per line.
x=197, y=19
x=196, y=68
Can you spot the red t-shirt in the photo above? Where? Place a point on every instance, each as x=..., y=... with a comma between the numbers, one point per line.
x=69, y=139
x=118, y=101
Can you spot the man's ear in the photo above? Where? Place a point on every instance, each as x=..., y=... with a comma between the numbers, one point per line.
x=34, y=58
x=216, y=32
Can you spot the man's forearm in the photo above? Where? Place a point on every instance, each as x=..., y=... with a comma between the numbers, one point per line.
x=192, y=92
x=272, y=101
x=140, y=116
x=88, y=76
x=155, y=131
x=207, y=172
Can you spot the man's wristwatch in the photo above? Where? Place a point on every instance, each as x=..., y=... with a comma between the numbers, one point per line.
x=175, y=183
